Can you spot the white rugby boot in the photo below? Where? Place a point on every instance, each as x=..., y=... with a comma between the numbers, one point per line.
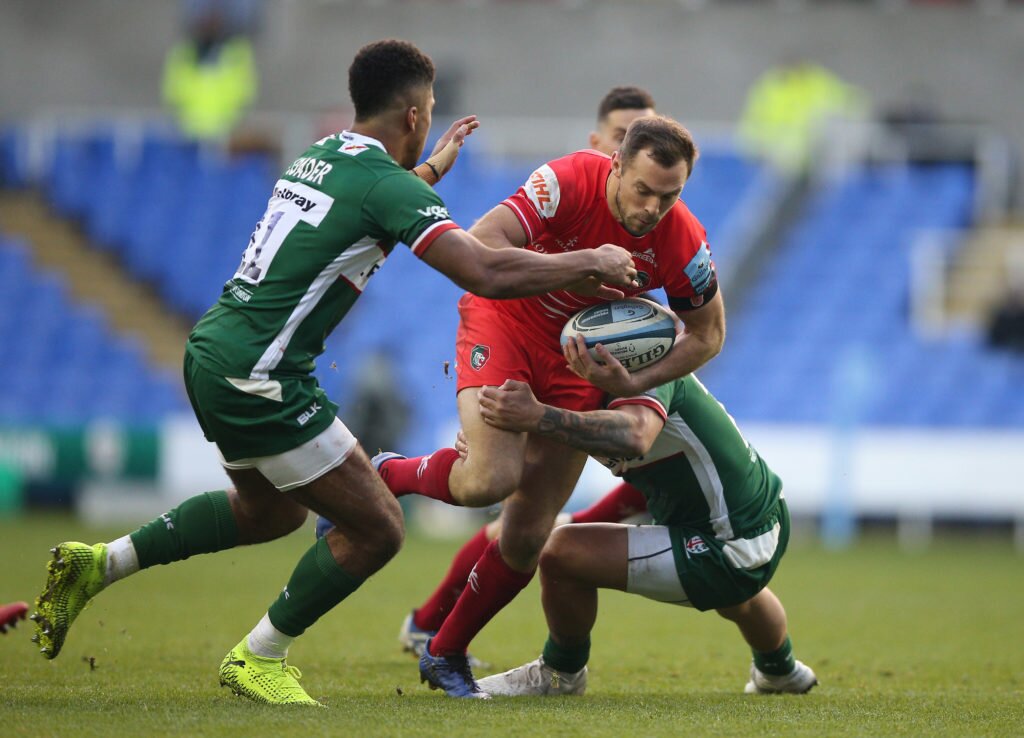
x=799, y=681
x=535, y=679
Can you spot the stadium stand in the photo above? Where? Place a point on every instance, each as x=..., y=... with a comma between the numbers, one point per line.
x=848, y=256
x=65, y=367
x=178, y=216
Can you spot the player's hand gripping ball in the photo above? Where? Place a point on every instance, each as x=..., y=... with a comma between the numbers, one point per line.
x=637, y=332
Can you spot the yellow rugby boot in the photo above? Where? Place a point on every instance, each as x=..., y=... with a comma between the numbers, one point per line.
x=260, y=679
x=73, y=577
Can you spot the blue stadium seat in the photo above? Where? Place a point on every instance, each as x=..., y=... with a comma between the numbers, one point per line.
x=70, y=368
x=841, y=279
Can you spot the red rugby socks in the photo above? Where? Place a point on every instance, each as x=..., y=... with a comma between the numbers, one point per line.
x=421, y=475
x=619, y=504
x=492, y=585
x=431, y=614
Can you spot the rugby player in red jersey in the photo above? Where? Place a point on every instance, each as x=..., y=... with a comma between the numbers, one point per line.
x=577, y=202
x=617, y=109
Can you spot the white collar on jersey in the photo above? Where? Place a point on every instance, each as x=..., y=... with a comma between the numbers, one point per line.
x=358, y=138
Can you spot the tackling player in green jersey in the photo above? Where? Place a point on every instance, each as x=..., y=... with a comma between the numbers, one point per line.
x=331, y=220
x=721, y=527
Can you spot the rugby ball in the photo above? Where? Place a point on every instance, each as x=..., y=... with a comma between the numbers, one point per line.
x=637, y=332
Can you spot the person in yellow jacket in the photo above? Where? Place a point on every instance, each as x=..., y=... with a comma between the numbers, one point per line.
x=787, y=107
x=209, y=79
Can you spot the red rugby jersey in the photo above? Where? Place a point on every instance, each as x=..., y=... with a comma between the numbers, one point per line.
x=562, y=207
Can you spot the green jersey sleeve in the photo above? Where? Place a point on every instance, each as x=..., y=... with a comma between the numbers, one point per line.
x=407, y=209
x=671, y=392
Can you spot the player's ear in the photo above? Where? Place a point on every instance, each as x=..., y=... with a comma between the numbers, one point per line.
x=412, y=115
x=616, y=164
x=594, y=139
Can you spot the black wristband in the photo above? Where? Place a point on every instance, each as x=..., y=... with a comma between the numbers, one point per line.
x=437, y=174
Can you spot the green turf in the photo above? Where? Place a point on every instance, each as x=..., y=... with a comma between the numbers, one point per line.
x=904, y=644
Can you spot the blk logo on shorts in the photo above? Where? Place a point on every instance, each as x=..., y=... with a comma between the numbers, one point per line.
x=696, y=545
x=479, y=355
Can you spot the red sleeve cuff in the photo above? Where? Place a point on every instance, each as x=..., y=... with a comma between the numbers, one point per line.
x=421, y=244
x=645, y=400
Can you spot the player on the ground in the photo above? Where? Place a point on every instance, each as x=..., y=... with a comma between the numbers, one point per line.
x=332, y=218
x=620, y=107
x=10, y=615
x=721, y=527
x=572, y=203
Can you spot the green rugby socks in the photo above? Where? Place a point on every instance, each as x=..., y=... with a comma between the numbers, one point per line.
x=317, y=584
x=201, y=524
x=566, y=658
x=778, y=662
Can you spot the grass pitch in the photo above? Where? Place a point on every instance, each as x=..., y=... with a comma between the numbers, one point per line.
x=925, y=643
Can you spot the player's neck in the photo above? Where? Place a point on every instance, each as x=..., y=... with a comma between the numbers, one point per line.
x=375, y=129
x=611, y=190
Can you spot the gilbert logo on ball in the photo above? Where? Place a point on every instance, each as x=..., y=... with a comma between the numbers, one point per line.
x=479, y=356
x=635, y=331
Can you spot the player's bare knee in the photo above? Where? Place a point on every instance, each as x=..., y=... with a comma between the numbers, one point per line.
x=480, y=489
x=558, y=557
x=521, y=549
x=384, y=541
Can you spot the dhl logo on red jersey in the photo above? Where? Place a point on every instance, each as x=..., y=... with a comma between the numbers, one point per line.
x=543, y=191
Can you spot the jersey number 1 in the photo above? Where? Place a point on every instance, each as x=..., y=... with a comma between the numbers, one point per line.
x=282, y=215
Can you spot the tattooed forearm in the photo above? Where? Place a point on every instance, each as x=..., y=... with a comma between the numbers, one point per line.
x=600, y=432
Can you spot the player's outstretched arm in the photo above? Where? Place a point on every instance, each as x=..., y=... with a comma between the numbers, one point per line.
x=627, y=431
x=507, y=273
x=501, y=229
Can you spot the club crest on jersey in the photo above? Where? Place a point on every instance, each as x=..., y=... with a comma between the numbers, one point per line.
x=479, y=355
x=643, y=279
x=695, y=545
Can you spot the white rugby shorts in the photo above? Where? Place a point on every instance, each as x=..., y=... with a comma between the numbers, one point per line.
x=652, y=567
x=303, y=464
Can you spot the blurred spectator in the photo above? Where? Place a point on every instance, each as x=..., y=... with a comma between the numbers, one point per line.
x=379, y=413
x=787, y=107
x=925, y=134
x=210, y=77
x=241, y=16
x=1006, y=328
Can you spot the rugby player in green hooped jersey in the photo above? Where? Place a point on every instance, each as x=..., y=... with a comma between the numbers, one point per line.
x=332, y=219
x=720, y=526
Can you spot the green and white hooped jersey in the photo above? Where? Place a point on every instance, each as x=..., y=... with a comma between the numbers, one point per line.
x=331, y=221
x=700, y=472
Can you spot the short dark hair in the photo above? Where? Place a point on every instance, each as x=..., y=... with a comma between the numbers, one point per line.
x=667, y=140
x=384, y=71
x=624, y=98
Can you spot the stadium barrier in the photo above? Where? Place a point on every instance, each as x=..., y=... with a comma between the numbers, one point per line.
x=913, y=476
